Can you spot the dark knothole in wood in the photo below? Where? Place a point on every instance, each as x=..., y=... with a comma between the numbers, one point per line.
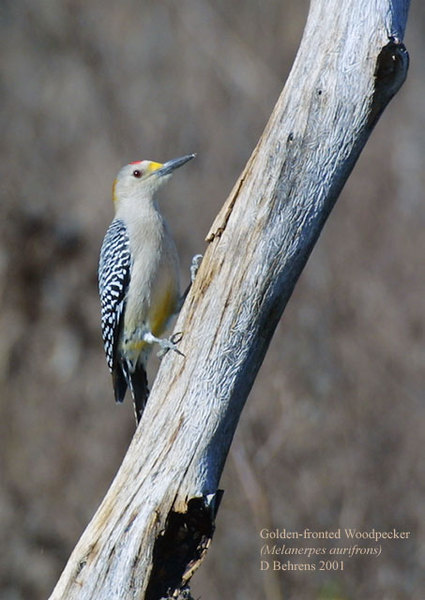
x=180, y=548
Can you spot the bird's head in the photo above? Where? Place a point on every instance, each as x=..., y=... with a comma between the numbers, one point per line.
x=143, y=178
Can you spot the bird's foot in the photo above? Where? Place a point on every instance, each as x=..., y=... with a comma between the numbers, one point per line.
x=165, y=344
x=196, y=263
x=170, y=344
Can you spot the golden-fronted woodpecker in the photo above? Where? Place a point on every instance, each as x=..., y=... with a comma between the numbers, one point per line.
x=138, y=277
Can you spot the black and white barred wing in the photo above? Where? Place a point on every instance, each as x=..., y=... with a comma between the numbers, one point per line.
x=114, y=277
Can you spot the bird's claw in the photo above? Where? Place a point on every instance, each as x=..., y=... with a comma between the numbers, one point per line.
x=170, y=344
x=177, y=337
x=196, y=262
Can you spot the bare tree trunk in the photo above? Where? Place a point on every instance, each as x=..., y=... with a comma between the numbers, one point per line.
x=157, y=519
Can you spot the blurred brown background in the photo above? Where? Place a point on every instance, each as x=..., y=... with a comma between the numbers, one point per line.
x=333, y=432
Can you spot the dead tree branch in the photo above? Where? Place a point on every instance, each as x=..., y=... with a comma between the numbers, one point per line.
x=157, y=519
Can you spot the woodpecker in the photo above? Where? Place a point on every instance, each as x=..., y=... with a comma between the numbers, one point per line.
x=138, y=273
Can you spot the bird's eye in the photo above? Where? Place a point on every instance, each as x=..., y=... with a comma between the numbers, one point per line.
x=137, y=173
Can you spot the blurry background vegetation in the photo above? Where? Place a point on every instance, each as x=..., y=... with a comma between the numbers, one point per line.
x=333, y=432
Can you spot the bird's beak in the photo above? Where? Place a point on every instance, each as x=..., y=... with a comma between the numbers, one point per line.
x=170, y=166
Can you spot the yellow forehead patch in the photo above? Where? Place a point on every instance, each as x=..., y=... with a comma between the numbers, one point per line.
x=154, y=166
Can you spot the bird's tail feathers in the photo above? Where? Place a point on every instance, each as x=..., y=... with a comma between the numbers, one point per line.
x=120, y=383
x=136, y=381
x=138, y=384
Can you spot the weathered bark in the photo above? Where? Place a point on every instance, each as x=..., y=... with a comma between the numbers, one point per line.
x=157, y=519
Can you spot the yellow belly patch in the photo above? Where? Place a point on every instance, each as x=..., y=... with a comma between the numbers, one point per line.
x=161, y=312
